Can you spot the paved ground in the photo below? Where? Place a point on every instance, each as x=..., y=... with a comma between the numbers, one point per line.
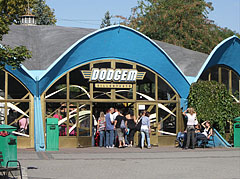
x=164, y=162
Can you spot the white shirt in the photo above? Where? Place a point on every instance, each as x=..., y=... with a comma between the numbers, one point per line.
x=115, y=115
x=111, y=117
x=192, y=120
x=205, y=132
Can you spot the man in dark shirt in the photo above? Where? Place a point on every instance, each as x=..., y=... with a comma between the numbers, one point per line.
x=120, y=125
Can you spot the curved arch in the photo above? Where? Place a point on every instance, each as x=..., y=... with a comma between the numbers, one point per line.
x=117, y=42
x=106, y=60
x=228, y=76
x=225, y=53
x=11, y=105
x=23, y=76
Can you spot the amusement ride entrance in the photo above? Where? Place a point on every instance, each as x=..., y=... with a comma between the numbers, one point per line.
x=78, y=97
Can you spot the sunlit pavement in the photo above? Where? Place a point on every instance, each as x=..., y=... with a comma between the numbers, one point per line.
x=158, y=162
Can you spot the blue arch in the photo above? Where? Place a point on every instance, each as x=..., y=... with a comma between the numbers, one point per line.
x=225, y=53
x=22, y=74
x=117, y=42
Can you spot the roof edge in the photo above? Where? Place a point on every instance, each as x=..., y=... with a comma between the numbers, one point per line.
x=104, y=29
x=165, y=53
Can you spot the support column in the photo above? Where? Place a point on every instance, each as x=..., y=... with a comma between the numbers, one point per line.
x=39, y=142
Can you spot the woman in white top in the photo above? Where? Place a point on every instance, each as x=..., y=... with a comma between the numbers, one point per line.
x=207, y=133
x=191, y=122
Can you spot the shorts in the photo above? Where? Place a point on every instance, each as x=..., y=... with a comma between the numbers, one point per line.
x=120, y=134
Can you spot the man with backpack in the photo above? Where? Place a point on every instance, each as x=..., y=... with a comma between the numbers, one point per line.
x=120, y=125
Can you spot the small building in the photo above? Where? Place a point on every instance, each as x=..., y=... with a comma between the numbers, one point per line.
x=76, y=73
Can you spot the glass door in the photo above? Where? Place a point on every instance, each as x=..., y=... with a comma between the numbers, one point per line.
x=152, y=109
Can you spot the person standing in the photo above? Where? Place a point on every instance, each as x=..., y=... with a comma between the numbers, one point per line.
x=59, y=117
x=101, y=128
x=145, y=129
x=191, y=122
x=109, y=128
x=120, y=125
x=115, y=114
x=131, y=123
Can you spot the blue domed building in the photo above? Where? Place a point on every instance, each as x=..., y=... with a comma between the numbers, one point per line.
x=76, y=73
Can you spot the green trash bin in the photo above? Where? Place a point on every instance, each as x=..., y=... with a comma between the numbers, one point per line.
x=8, y=144
x=52, y=134
x=237, y=132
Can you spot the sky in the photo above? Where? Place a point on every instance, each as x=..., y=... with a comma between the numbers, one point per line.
x=89, y=13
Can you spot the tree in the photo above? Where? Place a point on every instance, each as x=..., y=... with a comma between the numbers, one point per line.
x=180, y=22
x=10, y=12
x=14, y=9
x=213, y=102
x=44, y=15
x=107, y=20
x=13, y=56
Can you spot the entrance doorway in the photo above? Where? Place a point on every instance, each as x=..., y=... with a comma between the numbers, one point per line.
x=97, y=108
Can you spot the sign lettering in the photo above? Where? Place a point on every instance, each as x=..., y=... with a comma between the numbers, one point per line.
x=117, y=75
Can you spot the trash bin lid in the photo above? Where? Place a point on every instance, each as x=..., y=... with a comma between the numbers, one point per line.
x=237, y=119
x=4, y=127
x=52, y=120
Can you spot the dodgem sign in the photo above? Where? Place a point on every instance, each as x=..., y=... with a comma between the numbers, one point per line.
x=115, y=75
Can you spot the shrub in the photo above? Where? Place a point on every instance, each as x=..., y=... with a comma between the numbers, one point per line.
x=213, y=102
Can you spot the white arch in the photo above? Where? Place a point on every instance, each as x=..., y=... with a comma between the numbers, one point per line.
x=14, y=107
x=76, y=86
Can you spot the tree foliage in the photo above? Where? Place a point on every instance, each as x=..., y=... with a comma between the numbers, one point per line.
x=13, y=56
x=106, y=21
x=44, y=15
x=213, y=102
x=14, y=9
x=11, y=12
x=180, y=22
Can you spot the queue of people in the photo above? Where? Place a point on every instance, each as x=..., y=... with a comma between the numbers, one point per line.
x=194, y=133
x=115, y=127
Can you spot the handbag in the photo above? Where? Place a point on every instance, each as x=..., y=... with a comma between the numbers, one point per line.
x=138, y=125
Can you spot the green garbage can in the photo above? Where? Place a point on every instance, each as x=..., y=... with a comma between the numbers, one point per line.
x=52, y=134
x=237, y=132
x=8, y=144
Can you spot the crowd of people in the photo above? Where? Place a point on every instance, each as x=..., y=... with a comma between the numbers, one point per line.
x=194, y=131
x=118, y=129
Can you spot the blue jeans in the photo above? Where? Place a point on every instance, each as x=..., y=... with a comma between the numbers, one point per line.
x=115, y=137
x=143, y=133
x=109, y=138
x=181, y=138
x=126, y=139
x=102, y=137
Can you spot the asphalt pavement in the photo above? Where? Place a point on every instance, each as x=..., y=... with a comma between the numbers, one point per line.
x=158, y=162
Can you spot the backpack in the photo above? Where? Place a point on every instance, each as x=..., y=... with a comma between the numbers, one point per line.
x=122, y=125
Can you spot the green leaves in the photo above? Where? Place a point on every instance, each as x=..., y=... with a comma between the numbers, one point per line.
x=10, y=12
x=13, y=57
x=44, y=14
x=213, y=102
x=106, y=21
x=180, y=22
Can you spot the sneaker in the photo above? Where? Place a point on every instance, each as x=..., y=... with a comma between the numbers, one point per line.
x=111, y=147
x=149, y=147
x=107, y=147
